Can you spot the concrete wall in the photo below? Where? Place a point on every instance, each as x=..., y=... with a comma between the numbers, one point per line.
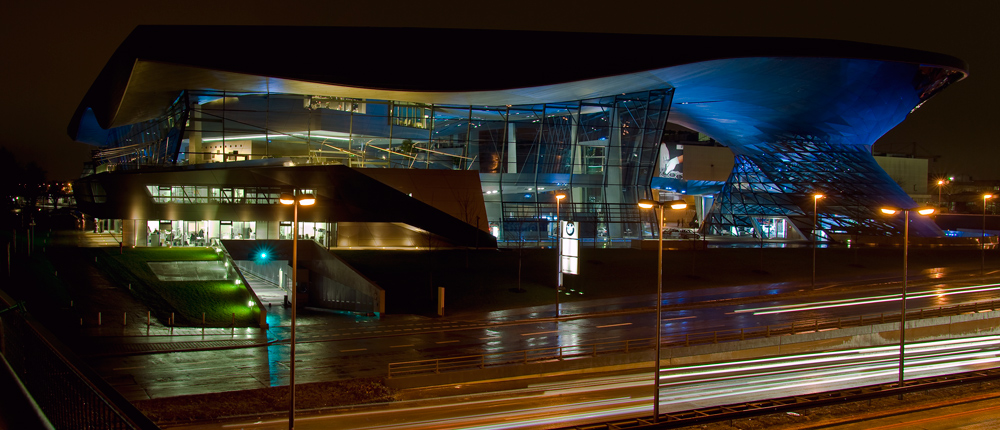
x=707, y=163
x=334, y=284
x=909, y=173
x=949, y=327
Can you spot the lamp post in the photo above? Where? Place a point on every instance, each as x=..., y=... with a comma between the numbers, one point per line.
x=648, y=204
x=559, y=274
x=906, y=245
x=295, y=201
x=816, y=198
x=982, y=266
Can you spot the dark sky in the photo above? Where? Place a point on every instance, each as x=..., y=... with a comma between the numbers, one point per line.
x=52, y=53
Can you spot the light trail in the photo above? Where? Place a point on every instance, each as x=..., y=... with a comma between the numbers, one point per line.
x=866, y=300
x=688, y=387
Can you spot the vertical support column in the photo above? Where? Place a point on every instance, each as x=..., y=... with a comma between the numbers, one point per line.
x=134, y=232
x=511, y=147
x=613, y=174
x=576, y=193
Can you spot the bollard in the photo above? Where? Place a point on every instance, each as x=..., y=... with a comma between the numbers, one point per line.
x=98, y=318
x=147, y=319
x=124, y=319
x=81, y=322
x=70, y=303
x=202, y=318
x=234, y=319
x=171, y=319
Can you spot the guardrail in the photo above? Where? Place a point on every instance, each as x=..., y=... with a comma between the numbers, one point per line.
x=555, y=353
x=70, y=396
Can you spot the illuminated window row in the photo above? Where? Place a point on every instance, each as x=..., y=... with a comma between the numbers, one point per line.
x=194, y=194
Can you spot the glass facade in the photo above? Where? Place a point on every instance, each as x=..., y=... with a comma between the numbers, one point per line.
x=771, y=183
x=600, y=153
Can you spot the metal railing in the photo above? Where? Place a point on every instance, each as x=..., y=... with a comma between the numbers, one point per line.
x=556, y=353
x=70, y=396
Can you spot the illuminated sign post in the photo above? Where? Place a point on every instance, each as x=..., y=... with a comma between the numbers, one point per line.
x=569, y=254
x=569, y=245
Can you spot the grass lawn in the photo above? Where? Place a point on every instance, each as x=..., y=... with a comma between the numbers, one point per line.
x=218, y=300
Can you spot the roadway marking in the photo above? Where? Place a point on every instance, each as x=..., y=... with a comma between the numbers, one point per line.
x=446, y=341
x=541, y=332
x=613, y=325
x=400, y=346
x=354, y=350
x=679, y=318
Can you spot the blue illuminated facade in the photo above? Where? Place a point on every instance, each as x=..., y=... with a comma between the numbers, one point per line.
x=799, y=116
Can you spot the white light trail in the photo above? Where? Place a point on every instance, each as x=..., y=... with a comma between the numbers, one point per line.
x=866, y=300
x=688, y=387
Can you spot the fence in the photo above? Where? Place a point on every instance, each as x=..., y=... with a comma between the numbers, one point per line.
x=71, y=396
x=538, y=355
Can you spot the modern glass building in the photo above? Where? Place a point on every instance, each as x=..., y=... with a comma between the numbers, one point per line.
x=600, y=153
x=452, y=144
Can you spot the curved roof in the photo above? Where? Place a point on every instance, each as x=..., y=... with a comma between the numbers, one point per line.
x=454, y=66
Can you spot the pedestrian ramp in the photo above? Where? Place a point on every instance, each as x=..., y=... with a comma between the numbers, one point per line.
x=325, y=280
x=267, y=291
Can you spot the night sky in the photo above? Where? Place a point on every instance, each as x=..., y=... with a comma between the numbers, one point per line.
x=53, y=52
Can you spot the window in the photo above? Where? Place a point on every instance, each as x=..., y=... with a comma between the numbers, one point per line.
x=414, y=115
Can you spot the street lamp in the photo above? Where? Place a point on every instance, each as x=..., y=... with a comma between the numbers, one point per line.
x=296, y=201
x=940, y=186
x=816, y=198
x=906, y=244
x=559, y=274
x=648, y=204
x=982, y=267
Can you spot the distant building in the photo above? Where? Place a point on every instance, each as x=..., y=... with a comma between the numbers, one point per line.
x=433, y=137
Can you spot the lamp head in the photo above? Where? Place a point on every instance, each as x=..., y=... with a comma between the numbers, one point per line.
x=890, y=211
x=678, y=204
x=560, y=196
x=817, y=196
x=646, y=204
x=307, y=200
x=286, y=199
x=925, y=211
x=988, y=196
